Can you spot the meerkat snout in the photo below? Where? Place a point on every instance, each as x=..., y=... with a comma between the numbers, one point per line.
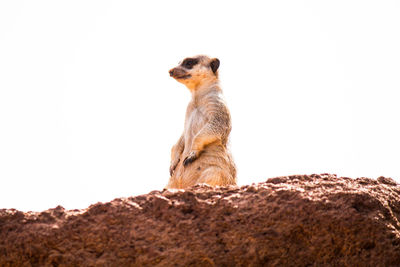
x=179, y=73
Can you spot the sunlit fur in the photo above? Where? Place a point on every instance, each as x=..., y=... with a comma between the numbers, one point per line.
x=206, y=132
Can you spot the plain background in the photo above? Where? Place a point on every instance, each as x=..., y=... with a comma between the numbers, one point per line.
x=89, y=113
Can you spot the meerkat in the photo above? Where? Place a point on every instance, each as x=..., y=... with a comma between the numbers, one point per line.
x=201, y=154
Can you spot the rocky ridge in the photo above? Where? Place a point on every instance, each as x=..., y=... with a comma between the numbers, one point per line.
x=300, y=220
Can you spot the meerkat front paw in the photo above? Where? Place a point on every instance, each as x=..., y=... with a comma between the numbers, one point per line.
x=171, y=170
x=173, y=167
x=193, y=155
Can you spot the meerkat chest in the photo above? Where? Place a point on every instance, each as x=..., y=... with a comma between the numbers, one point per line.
x=195, y=120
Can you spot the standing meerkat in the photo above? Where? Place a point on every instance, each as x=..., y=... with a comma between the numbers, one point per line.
x=201, y=154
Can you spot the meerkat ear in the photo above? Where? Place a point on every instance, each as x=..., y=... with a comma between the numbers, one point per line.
x=214, y=64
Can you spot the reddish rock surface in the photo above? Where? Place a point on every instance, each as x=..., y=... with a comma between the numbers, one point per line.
x=315, y=220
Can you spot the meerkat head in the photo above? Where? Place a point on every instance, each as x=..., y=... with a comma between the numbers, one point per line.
x=196, y=71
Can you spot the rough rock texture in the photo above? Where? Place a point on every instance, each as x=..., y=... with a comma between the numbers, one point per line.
x=316, y=220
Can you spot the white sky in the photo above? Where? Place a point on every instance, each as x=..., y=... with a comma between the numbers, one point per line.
x=89, y=113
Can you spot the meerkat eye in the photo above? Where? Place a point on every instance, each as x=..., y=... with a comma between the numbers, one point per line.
x=189, y=63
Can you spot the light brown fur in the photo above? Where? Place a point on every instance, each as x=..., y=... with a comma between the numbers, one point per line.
x=201, y=154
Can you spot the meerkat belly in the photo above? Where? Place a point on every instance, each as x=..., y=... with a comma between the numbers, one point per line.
x=213, y=166
x=213, y=155
x=194, y=123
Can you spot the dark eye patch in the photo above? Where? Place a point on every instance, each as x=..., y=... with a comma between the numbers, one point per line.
x=189, y=63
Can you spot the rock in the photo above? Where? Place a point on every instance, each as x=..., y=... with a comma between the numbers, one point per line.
x=300, y=220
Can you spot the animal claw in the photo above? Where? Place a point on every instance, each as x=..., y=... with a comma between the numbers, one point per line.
x=190, y=158
x=172, y=168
